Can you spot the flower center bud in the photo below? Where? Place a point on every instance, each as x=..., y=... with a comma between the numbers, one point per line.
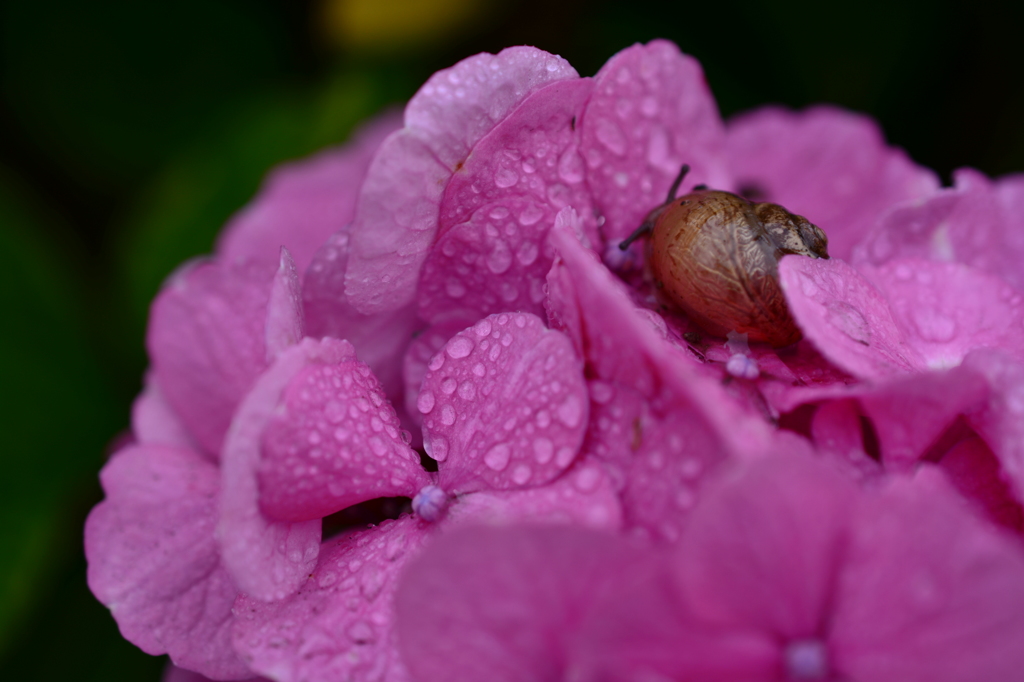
x=806, y=660
x=430, y=503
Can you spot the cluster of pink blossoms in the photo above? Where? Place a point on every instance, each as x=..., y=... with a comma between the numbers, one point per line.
x=614, y=494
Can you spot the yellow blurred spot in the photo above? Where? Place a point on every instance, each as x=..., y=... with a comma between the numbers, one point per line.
x=391, y=25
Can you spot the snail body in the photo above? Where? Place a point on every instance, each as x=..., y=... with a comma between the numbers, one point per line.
x=715, y=256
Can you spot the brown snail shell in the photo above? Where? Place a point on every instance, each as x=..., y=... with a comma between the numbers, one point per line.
x=716, y=255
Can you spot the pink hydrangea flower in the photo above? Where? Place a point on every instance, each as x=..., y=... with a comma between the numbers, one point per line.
x=449, y=291
x=786, y=571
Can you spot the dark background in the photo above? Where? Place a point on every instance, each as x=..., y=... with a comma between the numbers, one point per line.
x=130, y=131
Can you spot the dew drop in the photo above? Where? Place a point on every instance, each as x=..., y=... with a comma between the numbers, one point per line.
x=448, y=385
x=436, y=362
x=499, y=259
x=543, y=419
x=505, y=177
x=564, y=456
x=521, y=474
x=587, y=479
x=543, y=450
x=530, y=215
x=425, y=402
x=601, y=393
x=570, y=412
x=483, y=327
x=497, y=457
x=447, y=415
x=467, y=390
x=479, y=370
x=459, y=347
x=570, y=167
x=436, y=447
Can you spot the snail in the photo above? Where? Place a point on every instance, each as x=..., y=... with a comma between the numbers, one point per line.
x=715, y=256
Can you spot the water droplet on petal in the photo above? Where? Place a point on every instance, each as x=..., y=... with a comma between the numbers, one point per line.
x=543, y=450
x=521, y=474
x=467, y=391
x=425, y=402
x=564, y=456
x=570, y=412
x=459, y=347
x=447, y=415
x=499, y=260
x=505, y=177
x=360, y=632
x=483, y=327
x=933, y=326
x=497, y=457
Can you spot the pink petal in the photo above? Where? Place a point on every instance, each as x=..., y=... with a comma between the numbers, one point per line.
x=654, y=418
x=644, y=631
x=974, y=471
x=1001, y=421
x=418, y=356
x=582, y=496
x=206, y=341
x=339, y=625
x=397, y=213
x=847, y=318
x=837, y=429
x=979, y=223
x=828, y=165
x=763, y=547
x=333, y=441
x=154, y=562
x=268, y=559
x=284, y=326
x=651, y=112
x=380, y=340
x=929, y=592
x=302, y=203
x=497, y=209
x=946, y=309
x=504, y=405
x=503, y=604
x=153, y=420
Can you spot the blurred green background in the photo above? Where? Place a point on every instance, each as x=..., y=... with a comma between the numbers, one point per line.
x=129, y=132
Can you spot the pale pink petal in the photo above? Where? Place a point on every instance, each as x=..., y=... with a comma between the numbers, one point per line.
x=206, y=342
x=847, y=318
x=504, y=405
x=929, y=592
x=828, y=165
x=153, y=420
x=502, y=604
x=396, y=218
x=763, y=547
x=380, y=340
x=333, y=441
x=582, y=496
x=268, y=559
x=339, y=625
x=651, y=112
x=497, y=209
x=979, y=223
x=946, y=309
x=153, y=560
x=302, y=203
x=284, y=326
